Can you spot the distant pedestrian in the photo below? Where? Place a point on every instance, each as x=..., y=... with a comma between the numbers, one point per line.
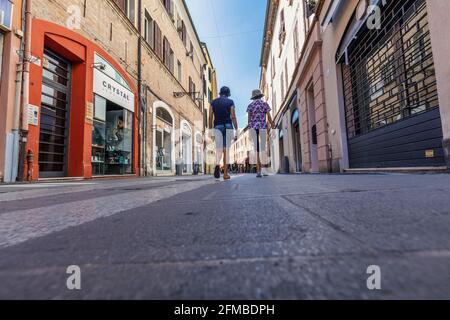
x=222, y=118
x=258, y=116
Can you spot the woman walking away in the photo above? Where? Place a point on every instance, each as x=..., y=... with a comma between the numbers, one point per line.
x=258, y=116
x=222, y=114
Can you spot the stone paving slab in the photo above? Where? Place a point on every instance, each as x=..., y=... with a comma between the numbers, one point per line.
x=281, y=237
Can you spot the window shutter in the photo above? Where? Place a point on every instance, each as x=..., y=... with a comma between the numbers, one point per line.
x=121, y=4
x=158, y=42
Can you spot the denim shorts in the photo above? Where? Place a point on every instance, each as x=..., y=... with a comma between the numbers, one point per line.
x=224, y=134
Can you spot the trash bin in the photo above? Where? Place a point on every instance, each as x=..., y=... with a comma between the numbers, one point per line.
x=179, y=169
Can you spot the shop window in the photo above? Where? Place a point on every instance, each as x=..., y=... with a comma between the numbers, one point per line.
x=163, y=140
x=112, y=139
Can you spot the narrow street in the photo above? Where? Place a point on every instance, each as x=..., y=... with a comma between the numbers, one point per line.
x=281, y=237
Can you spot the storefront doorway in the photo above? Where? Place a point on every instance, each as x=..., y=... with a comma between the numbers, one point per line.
x=164, y=140
x=82, y=116
x=297, y=148
x=112, y=130
x=281, y=148
x=54, y=124
x=314, y=152
x=186, y=147
x=390, y=90
x=112, y=140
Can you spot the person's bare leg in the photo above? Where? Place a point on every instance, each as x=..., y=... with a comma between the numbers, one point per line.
x=258, y=163
x=226, y=176
x=217, y=164
x=219, y=154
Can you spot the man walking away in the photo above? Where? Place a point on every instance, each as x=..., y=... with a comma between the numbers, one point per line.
x=222, y=117
x=258, y=116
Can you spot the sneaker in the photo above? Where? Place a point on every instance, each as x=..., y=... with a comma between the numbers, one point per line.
x=259, y=175
x=217, y=172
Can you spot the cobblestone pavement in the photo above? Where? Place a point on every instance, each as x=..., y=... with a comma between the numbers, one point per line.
x=284, y=236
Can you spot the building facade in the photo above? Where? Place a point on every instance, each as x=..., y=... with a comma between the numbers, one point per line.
x=242, y=151
x=114, y=88
x=10, y=71
x=291, y=80
x=369, y=88
x=175, y=98
x=386, y=83
x=210, y=93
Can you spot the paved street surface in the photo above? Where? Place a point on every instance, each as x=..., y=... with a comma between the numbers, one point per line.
x=281, y=237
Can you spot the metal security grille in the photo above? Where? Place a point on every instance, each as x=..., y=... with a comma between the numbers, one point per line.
x=390, y=73
x=54, y=116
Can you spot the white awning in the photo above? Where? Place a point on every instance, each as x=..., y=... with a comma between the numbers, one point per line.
x=331, y=13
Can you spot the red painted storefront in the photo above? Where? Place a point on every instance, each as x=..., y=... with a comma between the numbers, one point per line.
x=79, y=51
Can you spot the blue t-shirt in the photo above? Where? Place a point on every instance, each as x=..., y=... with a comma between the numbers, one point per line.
x=222, y=110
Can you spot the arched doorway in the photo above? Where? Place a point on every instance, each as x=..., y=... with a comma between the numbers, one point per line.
x=163, y=136
x=296, y=143
x=186, y=147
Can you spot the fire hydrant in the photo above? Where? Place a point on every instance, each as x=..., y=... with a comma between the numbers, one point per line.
x=30, y=157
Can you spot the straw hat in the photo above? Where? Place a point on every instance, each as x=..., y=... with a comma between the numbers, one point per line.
x=257, y=94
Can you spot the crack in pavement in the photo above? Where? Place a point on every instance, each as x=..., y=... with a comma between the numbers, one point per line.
x=331, y=224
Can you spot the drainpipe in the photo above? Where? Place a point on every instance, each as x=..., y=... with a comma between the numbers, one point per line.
x=17, y=106
x=140, y=103
x=16, y=123
x=27, y=18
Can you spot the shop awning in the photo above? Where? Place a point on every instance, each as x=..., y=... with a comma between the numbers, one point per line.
x=331, y=13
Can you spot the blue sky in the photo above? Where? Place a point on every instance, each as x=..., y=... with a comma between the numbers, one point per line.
x=233, y=31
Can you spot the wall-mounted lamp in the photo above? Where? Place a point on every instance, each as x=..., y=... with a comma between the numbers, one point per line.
x=99, y=66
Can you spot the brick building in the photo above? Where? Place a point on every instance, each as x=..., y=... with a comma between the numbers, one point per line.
x=114, y=89
x=369, y=88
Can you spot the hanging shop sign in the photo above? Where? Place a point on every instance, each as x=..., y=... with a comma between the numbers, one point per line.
x=109, y=84
x=6, y=13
